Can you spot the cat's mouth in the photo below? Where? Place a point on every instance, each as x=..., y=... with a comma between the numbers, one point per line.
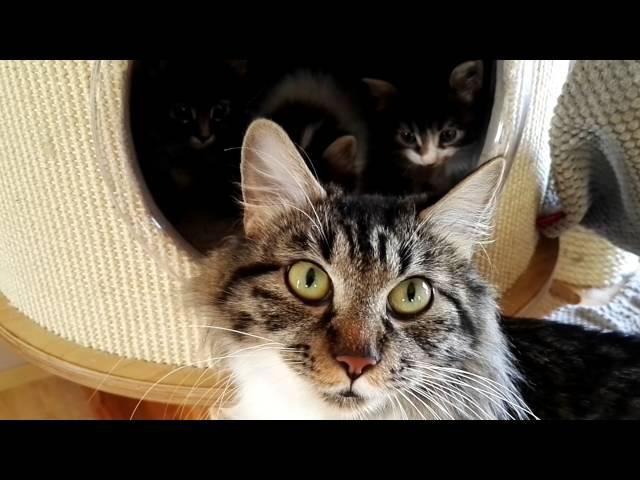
x=345, y=399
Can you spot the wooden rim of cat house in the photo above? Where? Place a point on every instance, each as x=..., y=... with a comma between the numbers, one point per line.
x=74, y=331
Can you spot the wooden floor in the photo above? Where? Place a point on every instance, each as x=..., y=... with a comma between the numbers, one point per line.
x=39, y=396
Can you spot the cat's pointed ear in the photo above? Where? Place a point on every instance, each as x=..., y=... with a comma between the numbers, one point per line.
x=341, y=156
x=382, y=92
x=465, y=215
x=467, y=80
x=274, y=176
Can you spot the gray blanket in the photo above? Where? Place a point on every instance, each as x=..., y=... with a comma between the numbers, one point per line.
x=595, y=149
x=595, y=174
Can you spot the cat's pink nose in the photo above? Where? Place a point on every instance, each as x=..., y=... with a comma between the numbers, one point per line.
x=356, y=366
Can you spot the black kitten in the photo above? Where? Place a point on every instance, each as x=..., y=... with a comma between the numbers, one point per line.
x=430, y=132
x=185, y=117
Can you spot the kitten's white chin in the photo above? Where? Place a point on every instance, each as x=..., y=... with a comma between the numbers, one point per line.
x=269, y=390
x=431, y=158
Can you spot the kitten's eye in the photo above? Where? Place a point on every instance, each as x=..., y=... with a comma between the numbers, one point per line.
x=407, y=137
x=308, y=281
x=220, y=111
x=449, y=135
x=411, y=297
x=181, y=112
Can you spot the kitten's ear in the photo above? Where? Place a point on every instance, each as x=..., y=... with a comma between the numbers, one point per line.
x=382, y=92
x=467, y=80
x=341, y=155
x=274, y=176
x=239, y=66
x=465, y=215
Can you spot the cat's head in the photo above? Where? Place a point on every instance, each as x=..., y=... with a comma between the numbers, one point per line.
x=428, y=128
x=338, y=306
x=195, y=103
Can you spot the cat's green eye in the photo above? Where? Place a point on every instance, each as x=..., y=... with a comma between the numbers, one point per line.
x=308, y=281
x=411, y=297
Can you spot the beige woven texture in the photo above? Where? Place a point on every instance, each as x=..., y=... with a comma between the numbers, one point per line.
x=80, y=253
x=588, y=260
x=516, y=236
x=67, y=258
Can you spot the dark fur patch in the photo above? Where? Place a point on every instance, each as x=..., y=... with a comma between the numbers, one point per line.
x=247, y=272
x=266, y=294
x=382, y=248
x=242, y=322
x=326, y=243
x=463, y=314
x=406, y=258
x=327, y=316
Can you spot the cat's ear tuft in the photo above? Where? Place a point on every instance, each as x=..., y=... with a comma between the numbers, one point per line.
x=274, y=176
x=382, y=92
x=465, y=215
x=467, y=80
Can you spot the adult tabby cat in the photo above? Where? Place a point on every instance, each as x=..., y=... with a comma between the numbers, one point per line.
x=335, y=306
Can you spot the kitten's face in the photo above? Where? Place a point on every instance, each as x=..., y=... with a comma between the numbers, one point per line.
x=431, y=128
x=431, y=144
x=349, y=306
x=195, y=105
x=198, y=121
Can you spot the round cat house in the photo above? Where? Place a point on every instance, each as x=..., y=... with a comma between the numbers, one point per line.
x=92, y=273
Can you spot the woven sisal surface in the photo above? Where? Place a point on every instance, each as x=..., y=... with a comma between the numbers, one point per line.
x=67, y=258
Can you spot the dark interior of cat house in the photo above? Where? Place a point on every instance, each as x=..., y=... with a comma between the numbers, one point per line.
x=379, y=127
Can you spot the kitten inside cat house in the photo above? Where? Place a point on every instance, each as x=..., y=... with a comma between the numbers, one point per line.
x=367, y=126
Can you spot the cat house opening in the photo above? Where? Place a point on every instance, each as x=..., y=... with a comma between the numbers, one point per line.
x=369, y=126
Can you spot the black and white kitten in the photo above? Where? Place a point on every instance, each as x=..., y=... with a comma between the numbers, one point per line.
x=429, y=134
x=186, y=115
x=326, y=120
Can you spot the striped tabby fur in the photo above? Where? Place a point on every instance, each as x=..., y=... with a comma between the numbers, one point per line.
x=450, y=362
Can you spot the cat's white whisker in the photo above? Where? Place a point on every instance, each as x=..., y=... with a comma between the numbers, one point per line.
x=497, y=400
x=429, y=389
x=504, y=392
x=231, y=330
x=414, y=407
x=413, y=392
x=457, y=393
x=402, y=410
x=430, y=382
